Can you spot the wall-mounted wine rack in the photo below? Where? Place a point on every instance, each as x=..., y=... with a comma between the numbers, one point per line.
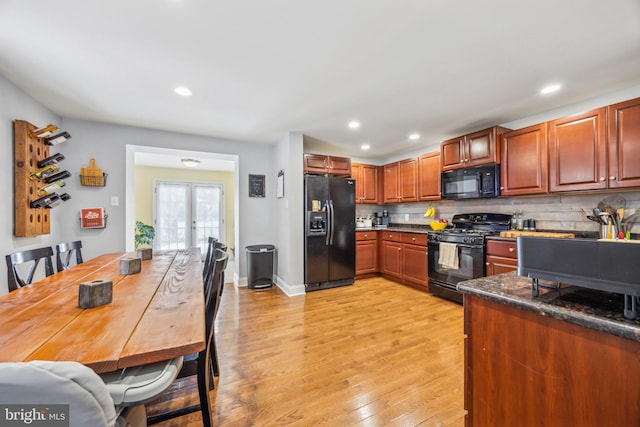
x=29, y=149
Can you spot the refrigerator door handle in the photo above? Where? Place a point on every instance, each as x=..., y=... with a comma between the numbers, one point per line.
x=331, y=221
x=327, y=208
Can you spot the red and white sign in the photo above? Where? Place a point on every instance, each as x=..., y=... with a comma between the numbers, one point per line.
x=92, y=218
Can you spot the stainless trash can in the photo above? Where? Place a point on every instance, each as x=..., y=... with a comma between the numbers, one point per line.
x=260, y=266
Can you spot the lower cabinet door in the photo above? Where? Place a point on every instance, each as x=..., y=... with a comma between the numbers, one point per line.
x=392, y=258
x=415, y=264
x=366, y=257
x=499, y=265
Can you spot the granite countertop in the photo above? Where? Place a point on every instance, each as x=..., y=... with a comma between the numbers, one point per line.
x=599, y=310
x=408, y=228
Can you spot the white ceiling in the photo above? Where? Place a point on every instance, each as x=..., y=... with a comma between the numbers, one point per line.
x=259, y=69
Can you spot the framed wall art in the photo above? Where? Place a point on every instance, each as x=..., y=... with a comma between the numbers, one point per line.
x=256, y=185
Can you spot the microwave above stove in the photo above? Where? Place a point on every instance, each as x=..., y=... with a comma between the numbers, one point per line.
x=478, y=182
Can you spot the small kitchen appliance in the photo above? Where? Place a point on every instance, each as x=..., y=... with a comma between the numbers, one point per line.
x=382, y=219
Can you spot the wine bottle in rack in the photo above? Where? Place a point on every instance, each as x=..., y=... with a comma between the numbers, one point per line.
x=51, y=188
x=50, y=200
x=51, y=160
x=44, y=131
x=57, y=177
x=57, y=138
x=43, y=172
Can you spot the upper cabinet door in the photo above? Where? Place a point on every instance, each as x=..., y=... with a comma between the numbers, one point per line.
x=429, y=176
x=366, y=177
x=391, y=181
x=409, y=180
x=321, y=164
x=315, y=163
x=477, y=148
x=370, y=180
x=523, y=166
x=481, y=147
x=452, y=153
x=339, y=165
x=578, y=152
x=624, y=144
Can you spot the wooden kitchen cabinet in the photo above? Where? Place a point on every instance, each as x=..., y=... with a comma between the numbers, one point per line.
x=624, y=144
x=477, y=148
x=366, y=253
x=414, y=259
x=501, y=256
x=367, y=182
x=527, y=369
x=321, y=164
x=403, y=256
x=524, y=159
x=391, y=258
x=429, y=176
x=578, y=152
x=401, y=181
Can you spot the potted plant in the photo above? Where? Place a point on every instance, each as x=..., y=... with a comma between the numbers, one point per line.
x=144, y=240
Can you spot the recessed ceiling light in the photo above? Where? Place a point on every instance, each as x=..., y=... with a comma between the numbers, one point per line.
x=550, y=89
x=365, y=146
x=182, y=91
x=414, y=136
x=190, y=163
x=354, y=124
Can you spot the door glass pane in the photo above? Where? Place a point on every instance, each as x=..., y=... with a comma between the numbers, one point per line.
x=172, y=216
x=208, y=218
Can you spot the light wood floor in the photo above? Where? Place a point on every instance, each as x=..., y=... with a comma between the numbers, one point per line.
x=373, y=354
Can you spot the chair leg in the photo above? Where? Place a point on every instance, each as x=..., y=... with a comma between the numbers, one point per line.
x=204, y=385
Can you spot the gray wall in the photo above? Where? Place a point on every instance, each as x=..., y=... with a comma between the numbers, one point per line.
x=15, y=105
x=107, y=144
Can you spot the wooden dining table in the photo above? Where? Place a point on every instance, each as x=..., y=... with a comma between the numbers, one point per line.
x=156, y=314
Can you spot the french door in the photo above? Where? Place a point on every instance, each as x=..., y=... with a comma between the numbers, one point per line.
x=187, y=213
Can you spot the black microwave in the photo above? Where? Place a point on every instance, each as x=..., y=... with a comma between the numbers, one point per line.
x=478, y=182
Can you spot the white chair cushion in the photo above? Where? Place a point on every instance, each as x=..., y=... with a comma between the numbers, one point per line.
x=44, y=382
x=140, y=384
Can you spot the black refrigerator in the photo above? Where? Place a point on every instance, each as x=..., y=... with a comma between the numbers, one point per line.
x=330, y=232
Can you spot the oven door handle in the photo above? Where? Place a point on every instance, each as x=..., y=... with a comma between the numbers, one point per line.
x=460, y=245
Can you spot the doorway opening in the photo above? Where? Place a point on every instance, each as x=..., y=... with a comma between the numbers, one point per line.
x=170, y=160
x=188, y=213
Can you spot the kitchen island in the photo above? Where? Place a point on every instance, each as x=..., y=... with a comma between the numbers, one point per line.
x=567, y=357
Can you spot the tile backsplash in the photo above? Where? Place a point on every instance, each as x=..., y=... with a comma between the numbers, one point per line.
x=558, y=212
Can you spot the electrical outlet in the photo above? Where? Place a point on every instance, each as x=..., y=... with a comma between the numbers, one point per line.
x=406, y=217
x=115, y=201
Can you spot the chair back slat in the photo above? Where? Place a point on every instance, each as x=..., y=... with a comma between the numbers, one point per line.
x=67, y=250
x=33, y=256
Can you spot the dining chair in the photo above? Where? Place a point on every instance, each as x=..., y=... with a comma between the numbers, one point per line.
x=201, y=366
x=208, y=258
x=32, y=256
x=42, y=384
x=67, y=250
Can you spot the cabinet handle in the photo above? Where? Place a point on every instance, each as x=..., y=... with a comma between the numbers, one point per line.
x=502, y=188
x=612, y=178
x=399, y=249
x=366, y=235
x=512, y=249
x=486, y=263
x=413, y=238
x=602, y=178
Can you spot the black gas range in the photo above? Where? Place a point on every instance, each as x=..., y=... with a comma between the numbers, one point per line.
x=457, y=253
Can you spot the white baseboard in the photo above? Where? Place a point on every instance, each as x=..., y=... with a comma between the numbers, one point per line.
x=289, y=290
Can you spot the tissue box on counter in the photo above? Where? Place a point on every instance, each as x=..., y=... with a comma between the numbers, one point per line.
x=94, y=293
